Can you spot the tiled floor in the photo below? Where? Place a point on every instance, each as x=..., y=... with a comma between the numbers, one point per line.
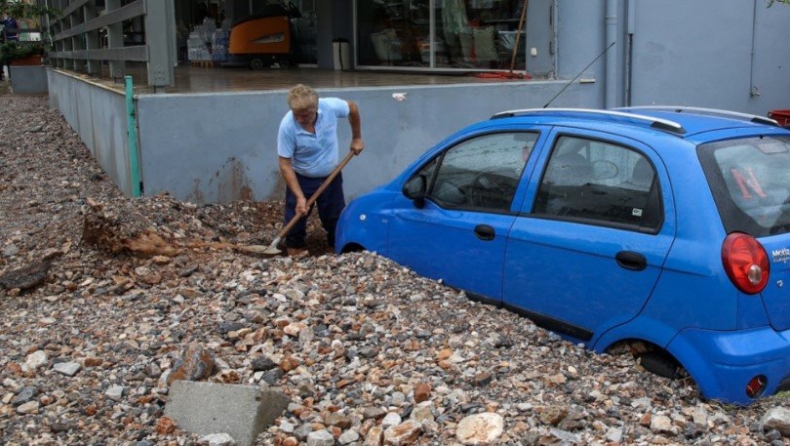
x=202, y=80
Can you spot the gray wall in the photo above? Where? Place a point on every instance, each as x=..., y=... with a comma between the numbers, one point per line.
x=730, y=54
x=700, y=53
x=98, y=115
x=222, y=147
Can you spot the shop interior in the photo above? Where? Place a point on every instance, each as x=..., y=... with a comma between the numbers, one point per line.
x=478, y=34
x=203, y=28
x=447, y=34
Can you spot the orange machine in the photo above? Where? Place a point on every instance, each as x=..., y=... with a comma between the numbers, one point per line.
x=263, y=40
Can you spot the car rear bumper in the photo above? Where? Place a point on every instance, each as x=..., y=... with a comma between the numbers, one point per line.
x=733, y=359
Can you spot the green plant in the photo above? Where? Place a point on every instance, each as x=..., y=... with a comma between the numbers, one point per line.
x=20, y=9
x=12, y=50
x=31, y=12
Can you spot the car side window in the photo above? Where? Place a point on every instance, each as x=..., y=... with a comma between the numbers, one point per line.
x=480, y=173
x=600, y=182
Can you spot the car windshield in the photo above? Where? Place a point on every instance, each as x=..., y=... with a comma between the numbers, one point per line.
x=750, y=181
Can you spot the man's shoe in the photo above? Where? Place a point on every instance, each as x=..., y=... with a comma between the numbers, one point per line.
x=296, y=253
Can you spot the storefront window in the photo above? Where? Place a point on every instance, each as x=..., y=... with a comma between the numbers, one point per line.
x=467, y=34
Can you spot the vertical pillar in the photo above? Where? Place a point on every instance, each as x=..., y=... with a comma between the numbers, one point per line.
x=160, y=39
x=92, y=67
x=115, y=40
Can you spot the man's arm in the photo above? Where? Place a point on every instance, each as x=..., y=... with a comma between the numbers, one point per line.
x=287, y=171
x=354, y=119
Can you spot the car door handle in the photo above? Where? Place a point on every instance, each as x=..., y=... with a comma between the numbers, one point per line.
x=631, y=260
x=485, y=232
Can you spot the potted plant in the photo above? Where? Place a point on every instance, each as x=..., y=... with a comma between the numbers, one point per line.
x=18, y=49
x=30, y=13
x=24, y=9
x=21, y=53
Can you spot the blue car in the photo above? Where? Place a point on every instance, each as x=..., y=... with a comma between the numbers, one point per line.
x=666, y=229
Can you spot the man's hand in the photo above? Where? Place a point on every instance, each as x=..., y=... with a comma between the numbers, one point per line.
x=301, y=206
x=357, y=146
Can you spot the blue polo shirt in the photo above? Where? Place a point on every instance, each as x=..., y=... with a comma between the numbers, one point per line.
x=313, y=155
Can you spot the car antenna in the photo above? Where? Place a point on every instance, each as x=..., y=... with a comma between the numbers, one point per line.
x=580, y=73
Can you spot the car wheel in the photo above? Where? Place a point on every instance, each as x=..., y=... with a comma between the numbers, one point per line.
x=662, y=364
x=257, y=64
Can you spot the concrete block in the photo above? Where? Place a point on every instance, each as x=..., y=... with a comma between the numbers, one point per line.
x=28, y=79
x=241, y=411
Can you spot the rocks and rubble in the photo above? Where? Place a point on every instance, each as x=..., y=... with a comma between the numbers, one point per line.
x=105, y=299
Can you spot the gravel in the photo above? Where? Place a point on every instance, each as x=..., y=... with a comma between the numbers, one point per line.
x=101, y=296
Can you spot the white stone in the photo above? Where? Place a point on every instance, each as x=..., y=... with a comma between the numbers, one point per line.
x=660, y=423
x=34, y=360
x=480, y=428
x=115, y=393
x=320, y=438
x=391, y=419
x=67, y=368
x=218, y=440
x=27, y=408
x=777, y=418
x=348, y=437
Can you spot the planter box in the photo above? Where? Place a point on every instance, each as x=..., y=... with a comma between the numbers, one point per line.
x=35, y=59
x=28, y=79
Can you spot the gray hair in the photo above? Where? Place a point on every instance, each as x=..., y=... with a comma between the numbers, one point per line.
x=302, y=97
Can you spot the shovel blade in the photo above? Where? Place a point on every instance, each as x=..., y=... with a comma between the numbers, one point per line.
x=260, y=250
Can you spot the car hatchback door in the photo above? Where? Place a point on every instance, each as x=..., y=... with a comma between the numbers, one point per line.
x=457, y=231
x=589, y=247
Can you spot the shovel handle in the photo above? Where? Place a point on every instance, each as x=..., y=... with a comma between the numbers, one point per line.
x=285, y=230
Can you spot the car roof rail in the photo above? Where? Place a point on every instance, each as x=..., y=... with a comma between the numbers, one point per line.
x=659, y=123
x=707, y=111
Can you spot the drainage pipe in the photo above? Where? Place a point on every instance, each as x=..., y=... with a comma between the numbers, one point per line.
x=131, y=124
x=753, y=89
x=610, y=84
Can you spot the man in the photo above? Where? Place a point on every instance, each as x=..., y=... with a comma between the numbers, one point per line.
x=8, y=32
x=308, y=149
x=10, y=27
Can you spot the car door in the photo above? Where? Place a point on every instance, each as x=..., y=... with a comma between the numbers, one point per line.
x=458, y=233
x=594, y=233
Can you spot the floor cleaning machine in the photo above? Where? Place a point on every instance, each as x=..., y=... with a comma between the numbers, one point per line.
x=263, y=40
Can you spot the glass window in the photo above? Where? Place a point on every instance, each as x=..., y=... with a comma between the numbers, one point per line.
x=480, y=173
x=601, y=182
x=750, y=181
x=477, y=34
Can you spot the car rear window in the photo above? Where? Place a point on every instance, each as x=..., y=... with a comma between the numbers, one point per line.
x=750, y=181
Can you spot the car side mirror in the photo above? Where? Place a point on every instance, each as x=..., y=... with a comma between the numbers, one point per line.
x=414, y=190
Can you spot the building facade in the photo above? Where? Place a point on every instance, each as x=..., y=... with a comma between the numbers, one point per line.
x=729, y=54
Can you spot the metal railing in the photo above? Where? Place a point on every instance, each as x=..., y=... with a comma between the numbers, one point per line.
x=18, y=32
x=85, y=37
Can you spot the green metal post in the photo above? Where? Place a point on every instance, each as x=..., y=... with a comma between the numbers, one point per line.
x=131, y=123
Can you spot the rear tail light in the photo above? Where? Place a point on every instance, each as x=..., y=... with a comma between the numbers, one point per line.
x=756, y=386
x=746, y=262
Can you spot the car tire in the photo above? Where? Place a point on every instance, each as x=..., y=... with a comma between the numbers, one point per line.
x=662, y=364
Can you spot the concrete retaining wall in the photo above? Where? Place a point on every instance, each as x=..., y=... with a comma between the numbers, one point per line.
x=98, y=115
x=222, y=147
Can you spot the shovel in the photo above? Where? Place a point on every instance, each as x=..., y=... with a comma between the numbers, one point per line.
x=272, y=250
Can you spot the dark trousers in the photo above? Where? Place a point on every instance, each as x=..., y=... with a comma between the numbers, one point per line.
x=330, y=204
